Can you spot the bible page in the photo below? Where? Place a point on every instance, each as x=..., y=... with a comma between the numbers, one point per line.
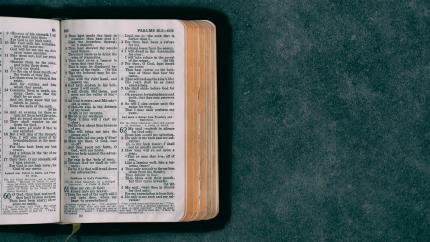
x=123, y=121
x=29, y=121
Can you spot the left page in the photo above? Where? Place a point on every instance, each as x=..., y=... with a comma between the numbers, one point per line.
x=29, y=120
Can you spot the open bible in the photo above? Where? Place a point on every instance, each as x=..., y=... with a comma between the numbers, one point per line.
x=107, y=121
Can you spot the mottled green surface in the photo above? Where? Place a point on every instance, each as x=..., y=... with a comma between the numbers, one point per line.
x=324, y=108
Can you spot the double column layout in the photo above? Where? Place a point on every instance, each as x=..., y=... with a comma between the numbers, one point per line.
x=119, y=122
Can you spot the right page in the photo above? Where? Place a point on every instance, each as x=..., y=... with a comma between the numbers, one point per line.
x=123, y=119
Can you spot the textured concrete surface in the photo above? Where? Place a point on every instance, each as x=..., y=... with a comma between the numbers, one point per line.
x=324, y=118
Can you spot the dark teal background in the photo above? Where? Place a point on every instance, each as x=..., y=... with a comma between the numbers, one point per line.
x=324, y=120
